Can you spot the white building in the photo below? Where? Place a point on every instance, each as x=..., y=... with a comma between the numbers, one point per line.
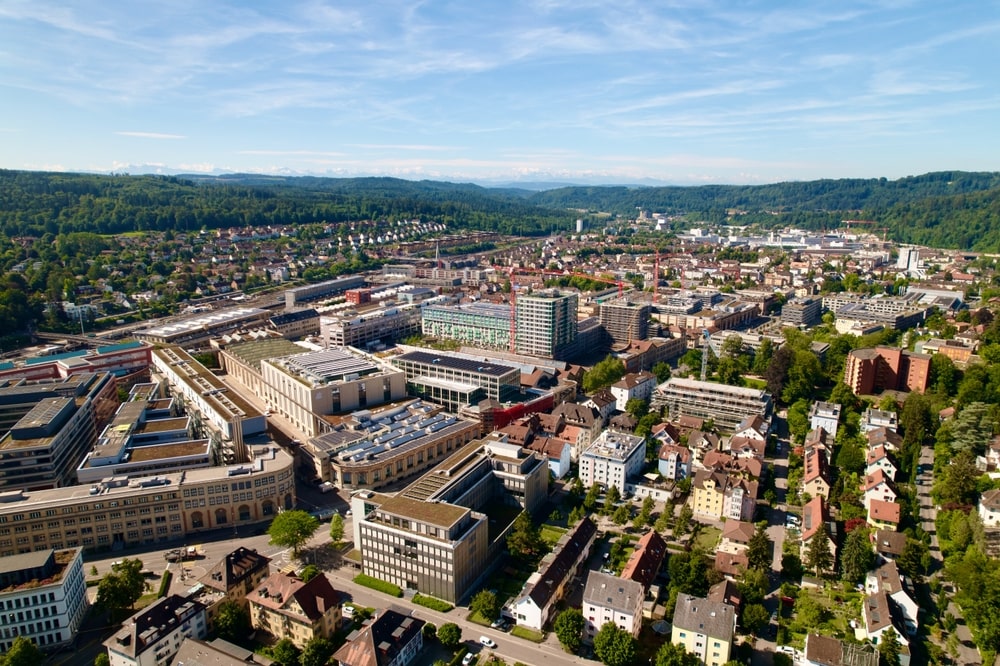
x=612, y=459
x=887, y=578
x=633, y=386
x=43, y=597
x=825, y=415
x=608, y=598
x=989, y=508
x=153, y=636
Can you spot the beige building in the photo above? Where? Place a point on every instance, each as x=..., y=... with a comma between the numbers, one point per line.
x=286, y=607
x=231, y=580
x=705, y=628
x=123, y=512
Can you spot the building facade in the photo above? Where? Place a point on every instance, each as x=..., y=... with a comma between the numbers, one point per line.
x=286, y=607
x=154, y=635
x=726, y=405
x=607, y=598
x=480, y=325
x=546, y=323
x=612, y=459
x=705, y=628
x=42, y=597
x=455, y=381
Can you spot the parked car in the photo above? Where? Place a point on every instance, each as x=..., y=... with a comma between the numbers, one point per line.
x=488, y=642
x=468, y=659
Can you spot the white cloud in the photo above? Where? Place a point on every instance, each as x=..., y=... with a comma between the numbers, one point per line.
x=152, y=135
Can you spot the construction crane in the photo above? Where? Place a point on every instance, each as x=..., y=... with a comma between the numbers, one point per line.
x=559, y=274
x=705, y=337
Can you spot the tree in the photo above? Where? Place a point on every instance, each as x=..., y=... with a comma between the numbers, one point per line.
x=286, y=653
x=317, y=652
x=791, y=567
x=309, y=572
x=621, y=515
x=450, y=635
x=755, y=617
x=957, y=483
x=232, y=622
x=614, y=646
x=777, y=370
x=857, y=556
x=662, y=371
x=759, y=548
x=122, y=586
x=673, y=654
x=337, y=529
x=798, y=420
x=102, y=660
x=23, y=652
x=683, y=520
x=486, y=604
x=888, y=649
x=604, y=373
x=753, y=586
x=524, y=539
x=590, y=499
x=818, y=555
x=569, y=627
x=914, y=559
x=612, y=497
x=292, y=529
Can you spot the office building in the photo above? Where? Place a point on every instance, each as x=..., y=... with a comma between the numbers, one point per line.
x=705, y=628
x=480, y=325
x=546, y=323
x=127, y=359
x=802, y=312
x=198, y=330
x=286, y=607
x=297, y=324
x=607, y=598
x=321, y=290
x=372, y=330
x=125, y=513
x=443, y=534
x=42, y=597
x=613, y=459
x=726, y=405
x=153, y=636
x=454, y=382
x=306, y=386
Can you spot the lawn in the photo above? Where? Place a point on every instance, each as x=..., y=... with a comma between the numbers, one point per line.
x=551, y=534
x=708, y=538
x=528, y=634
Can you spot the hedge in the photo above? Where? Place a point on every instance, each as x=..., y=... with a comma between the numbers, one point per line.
x=165, y=584
x=379, y=585
x=432, y=603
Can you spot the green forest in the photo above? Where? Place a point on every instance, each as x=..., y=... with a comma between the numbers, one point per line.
x=949, y=209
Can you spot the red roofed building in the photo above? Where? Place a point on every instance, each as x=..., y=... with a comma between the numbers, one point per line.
x=883, y=515
x=644, y=563
x=286, y=607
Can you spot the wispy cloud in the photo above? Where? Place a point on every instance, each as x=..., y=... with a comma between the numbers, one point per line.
x=152, y=135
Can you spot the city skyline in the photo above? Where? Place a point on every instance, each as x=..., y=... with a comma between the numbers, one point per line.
x=675, y=93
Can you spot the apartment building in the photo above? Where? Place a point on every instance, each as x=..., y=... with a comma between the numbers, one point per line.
x=306, y=386
x=633, y=386
x=607, y=598
x=804, y=312
x=825, y=415
x=546, y=323
x=726, y=405
x=868, y=371
x=436, y=535
x=123, y=512
x=645, y=561
x=42, y=597
x=705, y=628
x=455, y=381
x=585, y=419
x=639, y=355
x=286, y=607
x=480, y=325
x=154, y=635
x=394, y=638
x=231, y=580
x=625, y=320
x=198, y=330
x=612, y=460
x=719, y=494
x=382, y=326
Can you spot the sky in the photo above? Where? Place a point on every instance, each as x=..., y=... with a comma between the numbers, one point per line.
x=605, y=92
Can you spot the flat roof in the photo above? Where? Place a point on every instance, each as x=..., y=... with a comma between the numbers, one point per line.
x=328, y=365
x=433, y=513
x=457, y=363
x=203, y=322
x=166, y=451
x=252, y=353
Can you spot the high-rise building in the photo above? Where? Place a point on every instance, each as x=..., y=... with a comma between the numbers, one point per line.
x=546, y=323
x=626, y=320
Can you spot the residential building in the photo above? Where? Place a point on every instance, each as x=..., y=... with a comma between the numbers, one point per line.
x=815, y=515
x=625, y=320
x=641, y=355
x=747, y=447
x=546, y=587
x=231, y=580
x=585, y=418
x=286, y=607
x=726, y=405
x=607, y=598
x=753, y=427
x=480, y=325
x=719, y=494
x=125, y=513
x=705, y=628
x=194, y=652
x=878, y=486
x=612, y=460
x=887, y=578
x=802, y=312
x=644, y=563
x=815, y=473
x=454, y=381
x=878, y=458
x=604, y=403
x=826, y=651
x=889, y=544
x=989, y=508
x=868, y=371
x=154, y=635
x=736, y=535
x=825, y=415
x=674, y=462
x=435, y=536
x=394, y=638
x=306, y=386
x=546, y=323
x=880, y=613
x=875, y=419
x=373, y=329
x=42, y=597
x=633, y=386
x=884, y=514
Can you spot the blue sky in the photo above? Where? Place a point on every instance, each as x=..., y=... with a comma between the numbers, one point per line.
x=685, y=91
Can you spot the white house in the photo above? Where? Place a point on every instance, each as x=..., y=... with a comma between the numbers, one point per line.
x=888, y=579
x=42, y=597
x=989, y=508
x=881, y=614
x=604, y=402
x=612, y=459
x=608, y=598
x=753, y=427
x=154, y=635
x=877, y=485
x=878, y=458
x=633, y=386
x=878, y=418
x=825, y=415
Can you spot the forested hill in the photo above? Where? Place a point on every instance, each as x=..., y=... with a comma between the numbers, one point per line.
x=944, y=209
x=37, y=202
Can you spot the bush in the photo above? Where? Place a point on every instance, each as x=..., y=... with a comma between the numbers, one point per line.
x=378, y=585
x=432, y=603
x=165, y=584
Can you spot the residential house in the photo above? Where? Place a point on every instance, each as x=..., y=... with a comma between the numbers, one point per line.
x=633, y=386
x=666, y=433
x=556, y=451
x=604, y=402
x=702, y=443
x=231, y=580
x=815, y=473
x=645, y=561
x=881, y=614
x=747, y=447
x=394, y=638
x=218, y=652
x=154, y=635
x=826, y=651
x=726, y=592
x=878, y=486
x=674, y=462
x=736, y=535
x=889, y=544
x=731, y=565
x=545, y=588
x=888, y=579
x=753, y=427
x=286, y=607
x=989, y=508
x=607, y=598
x=890, y=439
x=878, y=458
x=705, y=628
x=814, y=514
x=825, y=415
x=717, y=495
x=879, y=418
x=586, y=418
x=884, y=515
